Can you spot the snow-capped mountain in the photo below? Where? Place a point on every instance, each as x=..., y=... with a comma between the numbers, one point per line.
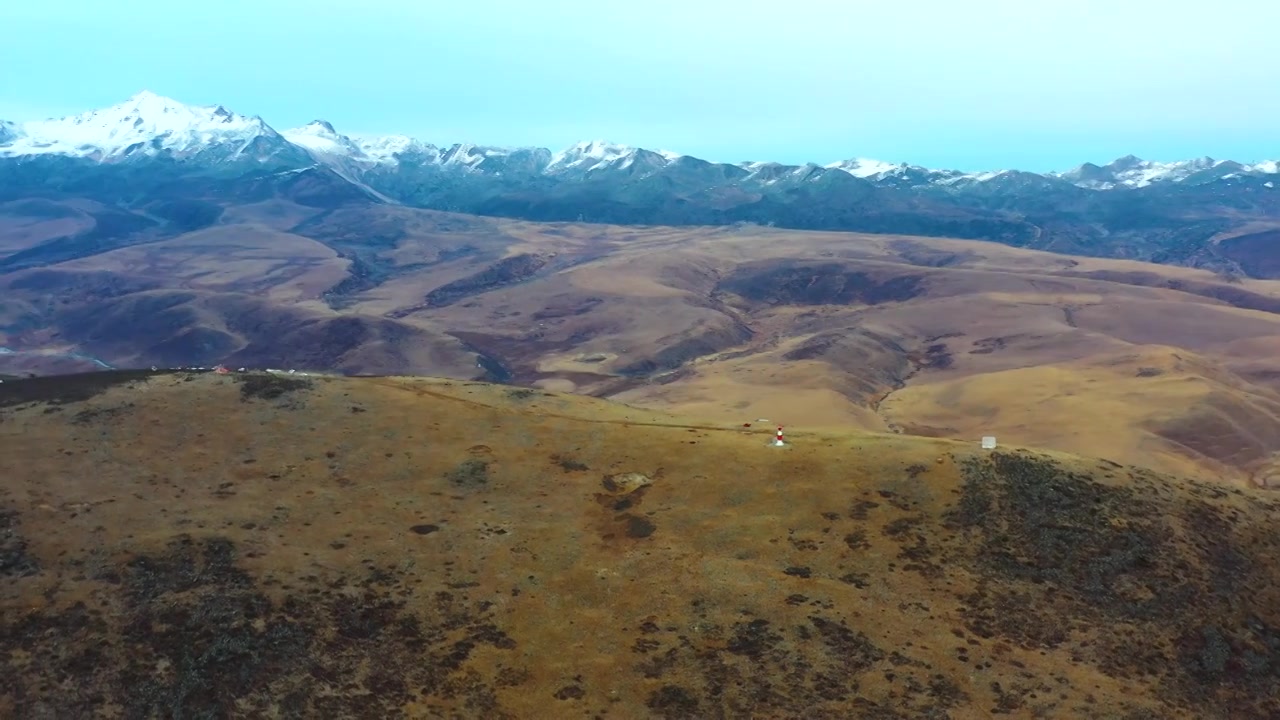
x=1133, y=172
x=318, y=136
x=595, y=155
x=392, y=149
x=148, y=125
x=865, y=167
x=181, y=163
x=321, y=140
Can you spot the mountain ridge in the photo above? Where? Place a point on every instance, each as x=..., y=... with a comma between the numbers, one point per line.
x=152, y=149
x=73, y=136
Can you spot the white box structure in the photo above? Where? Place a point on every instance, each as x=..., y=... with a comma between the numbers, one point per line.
x=988, y=442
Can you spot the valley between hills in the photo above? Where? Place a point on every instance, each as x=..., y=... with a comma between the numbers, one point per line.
x=1166, y=367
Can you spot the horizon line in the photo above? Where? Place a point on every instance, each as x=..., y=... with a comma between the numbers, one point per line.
x=661, y=151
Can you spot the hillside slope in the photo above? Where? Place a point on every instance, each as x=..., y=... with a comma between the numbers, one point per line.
x=926, y=336
x=276, y=546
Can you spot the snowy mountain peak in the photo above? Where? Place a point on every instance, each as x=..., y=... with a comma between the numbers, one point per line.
x=590, y=155
x=865, y=167
x=153, y=125
x=469, y=157
x=1133, y=172
x=146, y=124
x=1128, y=162
x=318, y=136
x=389, y=149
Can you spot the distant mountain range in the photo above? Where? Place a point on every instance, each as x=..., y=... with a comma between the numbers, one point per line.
x=151, y=148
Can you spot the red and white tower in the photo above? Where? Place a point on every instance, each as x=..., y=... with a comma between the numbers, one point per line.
x=777, y=441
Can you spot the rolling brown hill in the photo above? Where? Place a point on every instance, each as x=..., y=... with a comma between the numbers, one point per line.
x=257, y=545
x=1171, y=368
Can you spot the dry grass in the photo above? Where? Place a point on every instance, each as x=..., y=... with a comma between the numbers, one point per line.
x=934, y=336
x=993, y=310
x=277, y=266
x=425, y=548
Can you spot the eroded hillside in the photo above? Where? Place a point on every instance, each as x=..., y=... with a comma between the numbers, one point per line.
x=274, y=546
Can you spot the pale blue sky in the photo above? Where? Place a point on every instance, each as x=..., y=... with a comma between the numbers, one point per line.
x=966, y=84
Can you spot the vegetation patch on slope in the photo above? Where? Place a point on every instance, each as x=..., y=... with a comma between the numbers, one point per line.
x=199, y=636
x=64, y=389
x=1175, y=597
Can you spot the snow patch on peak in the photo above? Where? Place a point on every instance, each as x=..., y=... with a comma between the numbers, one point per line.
x=1133, y=172
x=592, y=155
x=319, y=136
x=1267, y=167
x=597, y=149
x=470, y=156
x=963, y=178
x=987, y=176
x=589, y=155
x=388, y=149
x=865, y=167
x=904, y=175
x=145, y=124
x=319, y=126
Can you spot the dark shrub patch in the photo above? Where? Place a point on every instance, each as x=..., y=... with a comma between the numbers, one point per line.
x=469, y=473
x=14, y=559
x=269, y=386
x=61, y=389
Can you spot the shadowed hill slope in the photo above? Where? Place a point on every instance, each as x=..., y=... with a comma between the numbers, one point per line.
x=283, y=546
